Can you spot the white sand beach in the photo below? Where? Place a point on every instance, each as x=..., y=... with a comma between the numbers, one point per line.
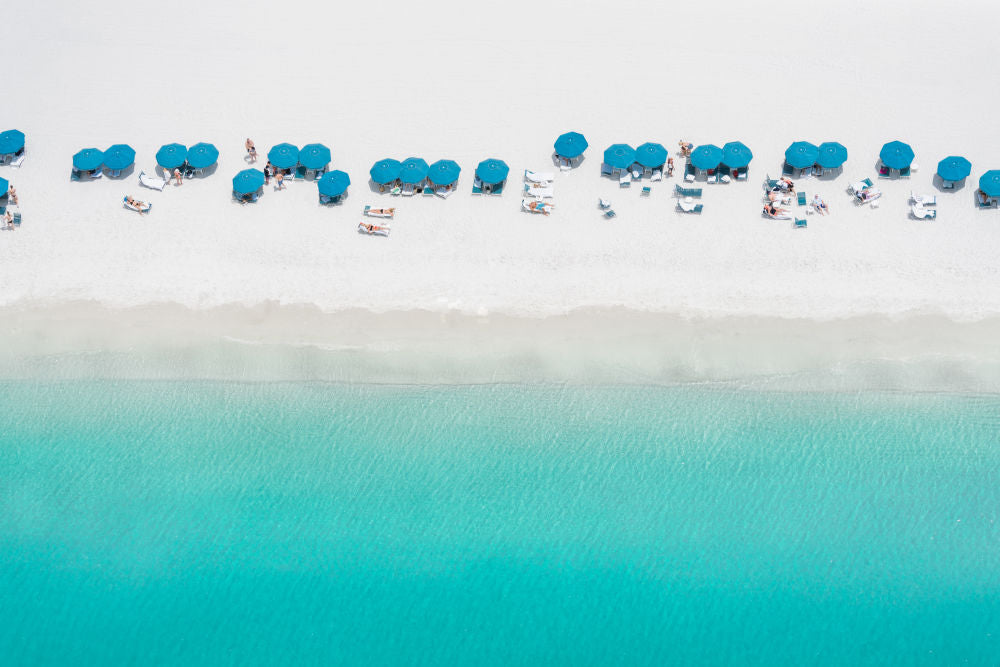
x=466, y=81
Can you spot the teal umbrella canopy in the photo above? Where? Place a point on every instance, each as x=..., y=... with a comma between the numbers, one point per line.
x=118, y=157
x=88, y=159
x=171, y=156
x=11, y=141
x=619, y=156
x=247, y=181
x=896, y=155
x=202, y=155
x=651, y=155
x=413, y=170
x=385, y=171
x=708, y=156
x=4, y=186
x=801, y=154
x=314, y=156
x=443, y=172
x=571, y=145
x=989, y=183
x=284, y=156
x=831, y=155
x=736, y=155
x=333, y=183
x=492, y=171
x=954, y=168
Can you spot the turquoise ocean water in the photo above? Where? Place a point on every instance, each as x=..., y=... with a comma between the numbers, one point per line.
x=193, y=523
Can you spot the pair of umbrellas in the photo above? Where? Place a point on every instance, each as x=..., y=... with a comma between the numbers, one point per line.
x=11, y=141
x=117, y=157
x=623, y=156
x=287, y=156
x=199, y=156
x=828, y=155
x=571, y=145
x=735, y=155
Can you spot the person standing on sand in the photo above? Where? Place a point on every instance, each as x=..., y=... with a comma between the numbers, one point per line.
x=12, y=194
x=177, y=177
x=279, y=180
x=268, y=170
x=251, y=150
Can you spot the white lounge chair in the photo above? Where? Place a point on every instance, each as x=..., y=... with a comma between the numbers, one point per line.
x=565, y=165
x=923, y=200
x=604, y=204
x=539, y=193
x=625, y=180
x=407, y=190
x=152, y=182
x=139, y=206
x=444, y=193
x=921, y=213
x=657, y=175
x=535, y=206
x=18, y=161
x=542, y=177
x=98, y=173
x=688, y=206
x=636, y=173
x=373, y=230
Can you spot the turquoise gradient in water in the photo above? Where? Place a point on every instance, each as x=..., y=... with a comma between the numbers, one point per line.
x=221, y=523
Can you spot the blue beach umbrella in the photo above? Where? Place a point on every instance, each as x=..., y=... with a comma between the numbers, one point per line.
x=88, y=159
x=736, y=155
x=492, y=171
x=333, y=183
x=989, y=183
x=896, y=155
x=801, y=154
x=651, y=155
x=284, y=156
x=412, y=170
x=385, y=171
x=202, y=155
x=571, y=145
x=831, y=155
x=4, y=185
x=619, y=156
x=954, y=168
x=118, y=157
x=706, y=157
x=443, y=172
x=11, y=141
x=247, y=181
x=171, y=156
x=314, y=156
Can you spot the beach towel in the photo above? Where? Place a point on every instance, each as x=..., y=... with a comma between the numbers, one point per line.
x=151, y=181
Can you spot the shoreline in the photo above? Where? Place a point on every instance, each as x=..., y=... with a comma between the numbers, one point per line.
x=272, y=342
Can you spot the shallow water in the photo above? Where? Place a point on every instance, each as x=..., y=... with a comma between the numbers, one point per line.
x=311, y=523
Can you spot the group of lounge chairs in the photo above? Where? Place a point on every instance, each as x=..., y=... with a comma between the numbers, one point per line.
x=920, y=204
x=538, y=192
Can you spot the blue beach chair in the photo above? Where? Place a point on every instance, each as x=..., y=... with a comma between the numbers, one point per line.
x=800, y=223
x=802, y=199
x=646, y=191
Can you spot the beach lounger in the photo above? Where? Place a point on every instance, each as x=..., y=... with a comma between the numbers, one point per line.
x=780, y=215
x=657, y=175
x=800, y=223
x=625, y=180
x=606, y=169
x=904, y=172
x=858, y=186
x=379, y=212
x=428, y=191
x=883, y=171
x=495, y=189
x=541, y=177
x=922, y=213
x=711, y=176
x=689, y=173
x=408, y=190
x=742, y=174
x=923, y=200
x=802, y=199
x=535, y=206
x=604, y=204
x=646, y=191
x=770, y=184
x=947, y=185
x=300, y=174
x=16, y=215
x=609, y=213
x=687, y=192
x=139, y=206
x=373, y=230
x=538, y=193
x=74, y=175
x=787, y=170
x=17, y=161
x=477, y=187
x=152, y=182
x=565, y=165
x=444, y=193
x=687, y=206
